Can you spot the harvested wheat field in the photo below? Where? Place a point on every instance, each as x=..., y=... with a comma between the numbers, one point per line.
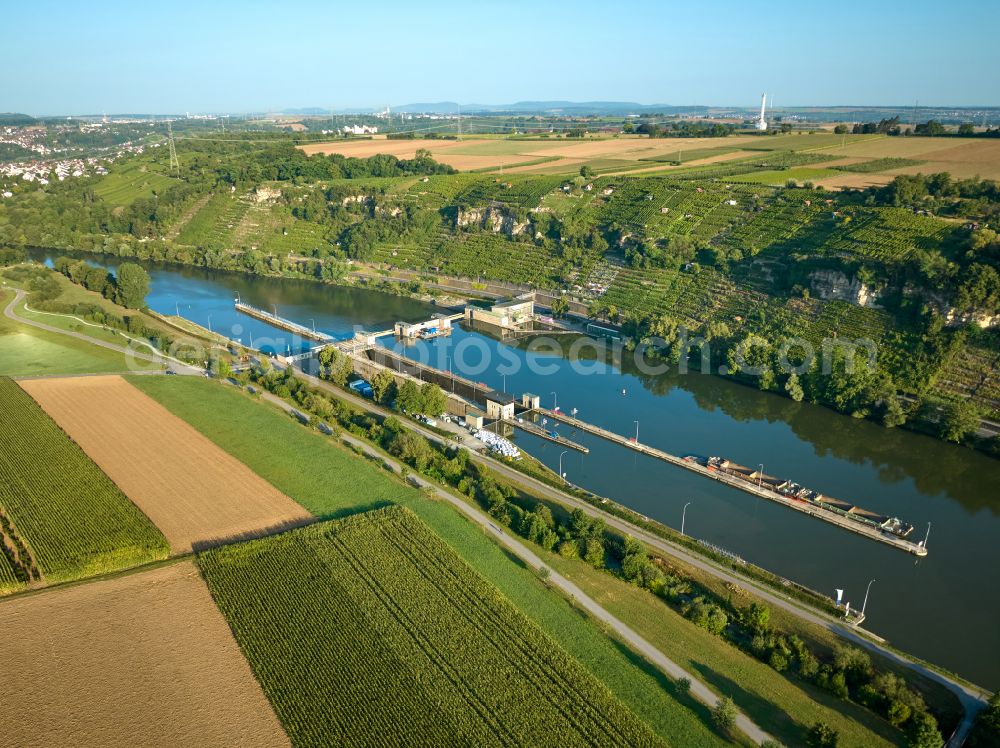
x=196, y=494
x=141, y=659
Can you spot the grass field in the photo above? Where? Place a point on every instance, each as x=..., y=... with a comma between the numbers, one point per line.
x=781, y=706
x=370, y=631
x=330, y=482
x=194, y=492
x=73, y=519
x=27, y=351
x=125, y=184
x=137, y=659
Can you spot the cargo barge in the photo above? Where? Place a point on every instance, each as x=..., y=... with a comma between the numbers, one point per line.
x=796, y=492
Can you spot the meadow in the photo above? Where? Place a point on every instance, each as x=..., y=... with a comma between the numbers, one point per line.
x=370, y=630
x=27, y=351
x=331, y=482
x=127, y=183
x=74, y=521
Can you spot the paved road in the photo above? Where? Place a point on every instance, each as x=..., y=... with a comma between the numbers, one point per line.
x=580, y=598
x=155, y=358
x=972, y=698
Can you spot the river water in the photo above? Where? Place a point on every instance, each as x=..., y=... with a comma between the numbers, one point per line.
x=943, y=608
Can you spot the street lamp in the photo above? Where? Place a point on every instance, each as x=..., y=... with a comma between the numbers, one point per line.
x=636, y=432
x=760, y=474
x=210, y=323
x=683, y=515
x=866, y=599
x=561, y=473
x=313, y=324
x=555, y=405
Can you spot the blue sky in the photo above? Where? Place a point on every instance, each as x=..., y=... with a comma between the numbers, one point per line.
x=217, y=55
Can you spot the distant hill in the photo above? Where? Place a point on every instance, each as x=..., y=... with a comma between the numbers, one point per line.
x=13, y=119
x=548, y=107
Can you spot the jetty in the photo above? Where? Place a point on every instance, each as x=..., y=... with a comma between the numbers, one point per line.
x=840, y=519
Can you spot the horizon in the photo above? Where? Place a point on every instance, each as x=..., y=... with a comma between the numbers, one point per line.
x=224, y=60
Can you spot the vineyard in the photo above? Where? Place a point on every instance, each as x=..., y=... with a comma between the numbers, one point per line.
x=513, y=192
x=770, y=162
x=660, y=208
x=215, y=222
x=371, y=631
x=878, y=165
x=691, y=297
x=974, y=373
x=69, y=515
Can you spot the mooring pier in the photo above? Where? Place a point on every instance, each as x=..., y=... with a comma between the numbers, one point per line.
x=854, y=525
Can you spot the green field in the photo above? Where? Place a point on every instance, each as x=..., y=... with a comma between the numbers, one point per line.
x=330, y=481
x=128, y=183
x=70, y=515
x=371, y=631
x=780, y=705
x=28, y=351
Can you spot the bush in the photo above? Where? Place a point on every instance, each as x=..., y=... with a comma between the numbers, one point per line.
x=821, y=735
x=724, y=714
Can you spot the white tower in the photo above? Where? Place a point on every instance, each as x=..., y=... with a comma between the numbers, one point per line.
x=761, y=122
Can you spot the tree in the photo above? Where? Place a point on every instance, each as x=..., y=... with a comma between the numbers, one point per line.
x=840, y=129
x=759, y=618
x=594, y=553
x=131, y=286
x=794, y=388
x=383, y=386
x=893, y=413
x=586, y=172
x=559, y=307
x=724, y=713
x=922, y=732
x=682, y=686
x=966, y=128
x=821, y=735
x=408, y=398
x=958, y=419
x=986, y=729
x=435, y=402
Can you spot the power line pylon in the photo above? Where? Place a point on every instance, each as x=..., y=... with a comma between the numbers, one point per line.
x=175, y=165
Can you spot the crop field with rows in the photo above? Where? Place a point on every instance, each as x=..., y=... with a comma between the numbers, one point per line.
x=778, y=222
x=513, y=192
x=684, y=296
x=371, y=631
x=215, y=222
x=126, y=184
x=767, y=162
x=886, y=234
x=8, y=578
x=70, y=515
x=440, y=190
x=494, y=256
x=878, y=164
x=973, y=373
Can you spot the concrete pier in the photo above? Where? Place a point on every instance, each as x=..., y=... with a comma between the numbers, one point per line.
x=805, y=507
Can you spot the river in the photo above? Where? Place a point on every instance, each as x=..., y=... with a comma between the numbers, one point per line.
x=943, y=608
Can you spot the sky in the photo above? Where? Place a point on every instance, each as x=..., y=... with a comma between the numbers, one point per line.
x=223, y=56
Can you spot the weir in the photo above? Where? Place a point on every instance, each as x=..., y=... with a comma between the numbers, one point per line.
x=284, y=324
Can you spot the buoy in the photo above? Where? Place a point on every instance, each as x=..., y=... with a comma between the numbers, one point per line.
x=623, y=390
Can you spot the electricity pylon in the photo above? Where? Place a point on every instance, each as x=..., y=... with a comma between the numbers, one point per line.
x=175, y=165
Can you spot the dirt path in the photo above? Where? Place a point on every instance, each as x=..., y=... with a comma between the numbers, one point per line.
x=580, y=598
x=139, y=659
x=972, y=698
x=195, y=493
